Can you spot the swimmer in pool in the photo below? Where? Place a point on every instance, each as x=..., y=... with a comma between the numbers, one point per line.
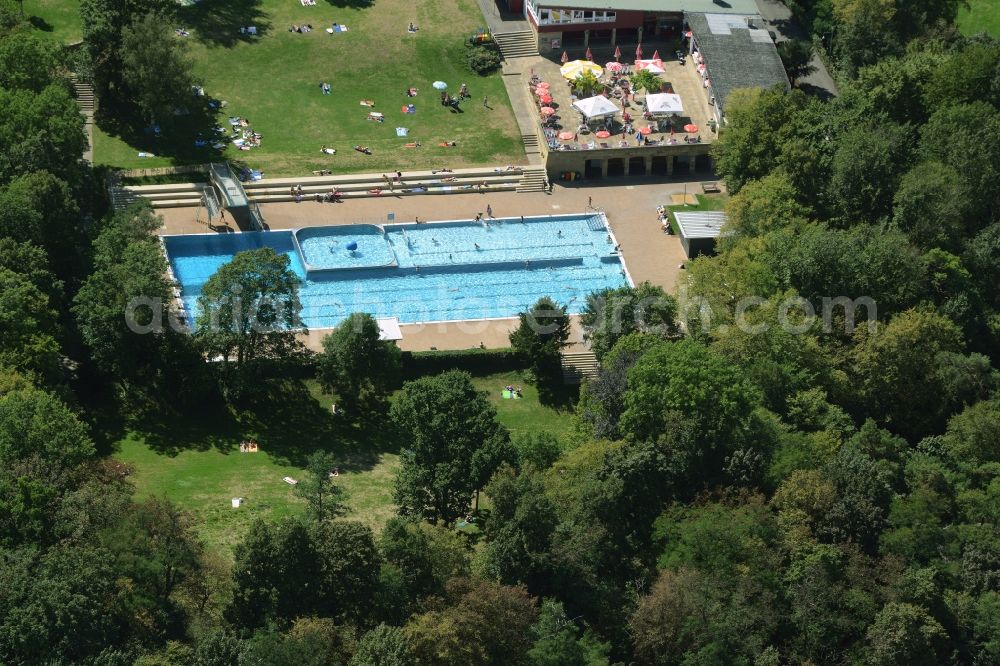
x=477, y=245
x=559, y=233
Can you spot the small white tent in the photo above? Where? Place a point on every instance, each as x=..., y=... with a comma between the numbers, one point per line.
x=662, y=104
x=595, y=107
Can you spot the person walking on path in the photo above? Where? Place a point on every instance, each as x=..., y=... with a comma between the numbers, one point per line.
x=489, y=210
x=486, y=102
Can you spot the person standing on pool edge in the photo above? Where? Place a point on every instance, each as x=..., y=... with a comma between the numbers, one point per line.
x=489, y=210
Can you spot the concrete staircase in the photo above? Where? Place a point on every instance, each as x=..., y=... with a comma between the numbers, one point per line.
x=517, y=44
x=84, y=94
x=353, y=186
x=174, y=195
x=534, y=179
x=578, y=366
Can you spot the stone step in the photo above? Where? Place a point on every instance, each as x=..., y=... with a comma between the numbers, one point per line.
x=517, y=44
x=579, y=366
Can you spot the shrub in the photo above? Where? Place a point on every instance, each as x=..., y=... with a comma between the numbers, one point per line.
x=483, y=60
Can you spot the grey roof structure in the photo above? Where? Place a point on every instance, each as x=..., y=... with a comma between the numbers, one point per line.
x=736, y=55
x=702, y=6
x=700, y=225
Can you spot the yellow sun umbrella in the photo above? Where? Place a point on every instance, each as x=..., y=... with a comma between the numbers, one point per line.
x=573, y=70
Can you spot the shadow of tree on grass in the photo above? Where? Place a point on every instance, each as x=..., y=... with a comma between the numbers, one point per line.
x=217, y=23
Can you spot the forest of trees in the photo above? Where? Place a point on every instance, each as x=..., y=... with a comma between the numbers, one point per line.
x=731, y=494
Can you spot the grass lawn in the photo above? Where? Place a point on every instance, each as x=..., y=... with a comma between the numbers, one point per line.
x=706, y=202
x=273, y=81
x=60, y=19
x=199, y=466
x=980, y=16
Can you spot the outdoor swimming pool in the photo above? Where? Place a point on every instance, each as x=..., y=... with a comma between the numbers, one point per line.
x=422, y=273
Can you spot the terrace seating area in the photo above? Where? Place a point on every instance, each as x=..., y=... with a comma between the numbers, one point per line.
x=355, y=186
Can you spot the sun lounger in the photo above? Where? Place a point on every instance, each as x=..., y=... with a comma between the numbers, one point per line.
x=290, y=481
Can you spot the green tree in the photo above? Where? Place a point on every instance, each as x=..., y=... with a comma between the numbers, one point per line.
x=382, y=646
x=796, y=55
x=766, y=204
x=646, y=80
x=427, y=556
x=358, y=366
x=688, y=378
x=776, y=358
x=275, y=573
x=31, y=261
x=349, y=566
x=39, y=208
x=452, y=444
x=249, y=311
x=928, y=205
x=27, y=61
x=866, y=170
x=894, y=369
x=103, y=23
x=865, y=33
x=28, y=328
x=539, y=338
x=611, y=314
x=697, y=617
x=323, y=496
x=559, y=641
x=485, y=624
x=155, y=66
x=758, y=124
x=905, y=634
x=587, y=84
x=42, y=443
x=60, y=606
x=41, y=132
x=973, y=151
x=129, y=280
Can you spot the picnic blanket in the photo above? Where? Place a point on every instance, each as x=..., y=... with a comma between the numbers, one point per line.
x=402, y=131
x=337, y=27
x=509, y=395
x=409, y=108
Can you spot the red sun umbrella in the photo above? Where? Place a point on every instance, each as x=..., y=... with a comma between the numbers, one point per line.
x=565, y=58
x=545, y=99
x=638, y=51
x=602, y=134
x=618, y=54
x=589, y=56
x=656, y=54
x=646, y=131
x=543, y=85
x=548, y=111
x=690, y=127
x=565, y=136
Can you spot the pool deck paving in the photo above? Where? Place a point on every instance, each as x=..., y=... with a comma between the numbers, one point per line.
x=630, y=206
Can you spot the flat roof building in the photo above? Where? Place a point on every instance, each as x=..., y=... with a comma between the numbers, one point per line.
x=699, y=231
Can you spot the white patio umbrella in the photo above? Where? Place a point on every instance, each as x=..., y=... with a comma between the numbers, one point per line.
x=663, y=104
x=440, y=85
x=595, y=107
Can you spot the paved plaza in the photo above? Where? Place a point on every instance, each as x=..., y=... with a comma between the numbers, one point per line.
x=650, y=255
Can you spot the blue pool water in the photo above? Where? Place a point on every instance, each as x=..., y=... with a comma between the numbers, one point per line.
x=421, y=273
